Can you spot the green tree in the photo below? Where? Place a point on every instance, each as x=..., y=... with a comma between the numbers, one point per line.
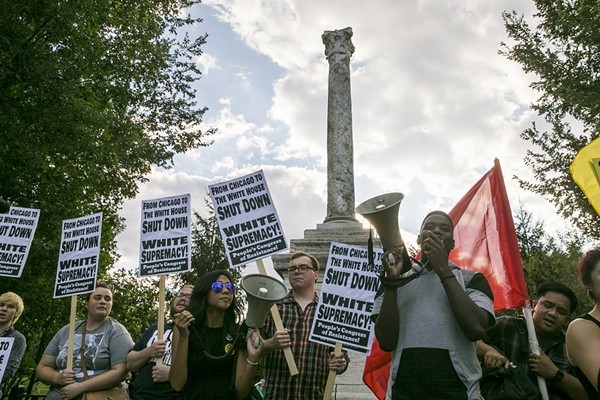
x=561, y=47
x=546, y=259
x=92, y=95
x=135, y=303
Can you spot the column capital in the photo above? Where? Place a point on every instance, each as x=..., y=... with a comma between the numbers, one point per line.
x=338, y=42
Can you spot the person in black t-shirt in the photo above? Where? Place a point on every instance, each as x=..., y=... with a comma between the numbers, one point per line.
x=152, y=380
x=213, y=357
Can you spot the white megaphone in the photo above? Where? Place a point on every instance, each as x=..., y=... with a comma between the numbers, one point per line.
x=263, y=291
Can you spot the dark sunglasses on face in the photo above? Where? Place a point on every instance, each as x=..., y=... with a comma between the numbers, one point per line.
x=217, y=287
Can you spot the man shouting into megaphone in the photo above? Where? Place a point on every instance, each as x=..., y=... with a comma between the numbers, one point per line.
x=431, y=323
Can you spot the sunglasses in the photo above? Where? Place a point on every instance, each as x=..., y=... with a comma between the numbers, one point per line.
x=217, y=287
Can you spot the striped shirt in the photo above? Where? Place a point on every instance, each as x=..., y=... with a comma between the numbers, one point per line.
x=312, y=359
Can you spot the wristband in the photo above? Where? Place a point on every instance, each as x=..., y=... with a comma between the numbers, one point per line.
x=251, y=363
x=447, y=277
x=558, y=376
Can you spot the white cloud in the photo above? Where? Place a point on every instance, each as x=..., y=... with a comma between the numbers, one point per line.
x=433, y=105
x=206, y=62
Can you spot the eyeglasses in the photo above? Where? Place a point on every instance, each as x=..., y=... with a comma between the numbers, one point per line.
x=183, y=296
x=217, y=287
x=300, y=268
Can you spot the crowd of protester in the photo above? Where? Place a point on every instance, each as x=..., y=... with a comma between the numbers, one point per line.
x=436, y=319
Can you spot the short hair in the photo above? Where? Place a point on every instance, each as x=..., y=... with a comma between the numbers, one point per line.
x=313, y=260
x=99, y=284
x=560, y=289
x=187, y=285
x=10, y=297
x=587, y=264
x=438, y=212
x=171, y=309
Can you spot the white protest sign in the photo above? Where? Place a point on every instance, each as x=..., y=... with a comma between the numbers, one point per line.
x=78, y=258
x=166, y=236
x=6, y=344
x=17, y=228
x=249, y=224
x=346, y=301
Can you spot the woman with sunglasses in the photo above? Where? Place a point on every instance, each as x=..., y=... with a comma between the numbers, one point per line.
x=213, y=356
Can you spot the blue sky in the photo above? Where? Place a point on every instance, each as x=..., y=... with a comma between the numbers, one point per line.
x=433, y=105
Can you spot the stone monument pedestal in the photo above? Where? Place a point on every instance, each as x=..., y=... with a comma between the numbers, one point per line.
x=318, y=241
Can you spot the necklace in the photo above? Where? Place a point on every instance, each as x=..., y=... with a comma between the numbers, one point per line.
x=229, y=346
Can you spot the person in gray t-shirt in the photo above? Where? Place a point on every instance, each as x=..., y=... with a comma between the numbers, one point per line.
x=431, y=323
x=105, y=347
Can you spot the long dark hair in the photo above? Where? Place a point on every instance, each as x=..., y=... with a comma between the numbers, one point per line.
x=199, y=302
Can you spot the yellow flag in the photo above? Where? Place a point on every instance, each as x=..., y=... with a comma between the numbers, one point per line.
x=585, y=170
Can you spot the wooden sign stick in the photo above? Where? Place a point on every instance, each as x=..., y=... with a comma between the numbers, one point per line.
x=287, y=351
x=71, y=344
x=161, y=314
x=332, y=374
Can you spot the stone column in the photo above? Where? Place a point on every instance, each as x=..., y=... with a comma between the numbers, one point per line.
x=340, y=154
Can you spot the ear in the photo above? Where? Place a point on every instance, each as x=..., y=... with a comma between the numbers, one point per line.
x=533, y=304
x=419, y=240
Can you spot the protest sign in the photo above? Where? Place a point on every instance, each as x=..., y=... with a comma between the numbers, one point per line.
x=346, y=301
x=165, y=236
x=247, y=218
x=78, y=257
x=17, y=228
x=6, y=344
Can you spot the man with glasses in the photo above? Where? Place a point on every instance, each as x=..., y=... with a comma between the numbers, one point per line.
x=151, y=380
x=314, y=361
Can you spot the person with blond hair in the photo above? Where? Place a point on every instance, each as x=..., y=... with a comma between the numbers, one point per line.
x=11, y=308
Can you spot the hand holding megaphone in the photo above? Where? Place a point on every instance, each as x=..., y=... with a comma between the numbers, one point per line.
x=392, y=262
x=254, y=344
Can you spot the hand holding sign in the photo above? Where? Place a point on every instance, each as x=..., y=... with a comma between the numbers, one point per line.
x=250, y=228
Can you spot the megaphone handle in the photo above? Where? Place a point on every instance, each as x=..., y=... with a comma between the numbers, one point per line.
x=287, y=352
x=332, y=374
x=391, y=259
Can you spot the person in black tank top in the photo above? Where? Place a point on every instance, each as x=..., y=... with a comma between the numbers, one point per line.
x=583, y=334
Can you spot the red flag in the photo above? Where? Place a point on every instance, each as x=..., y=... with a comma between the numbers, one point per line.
x=485, y=241
x=377, y=370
